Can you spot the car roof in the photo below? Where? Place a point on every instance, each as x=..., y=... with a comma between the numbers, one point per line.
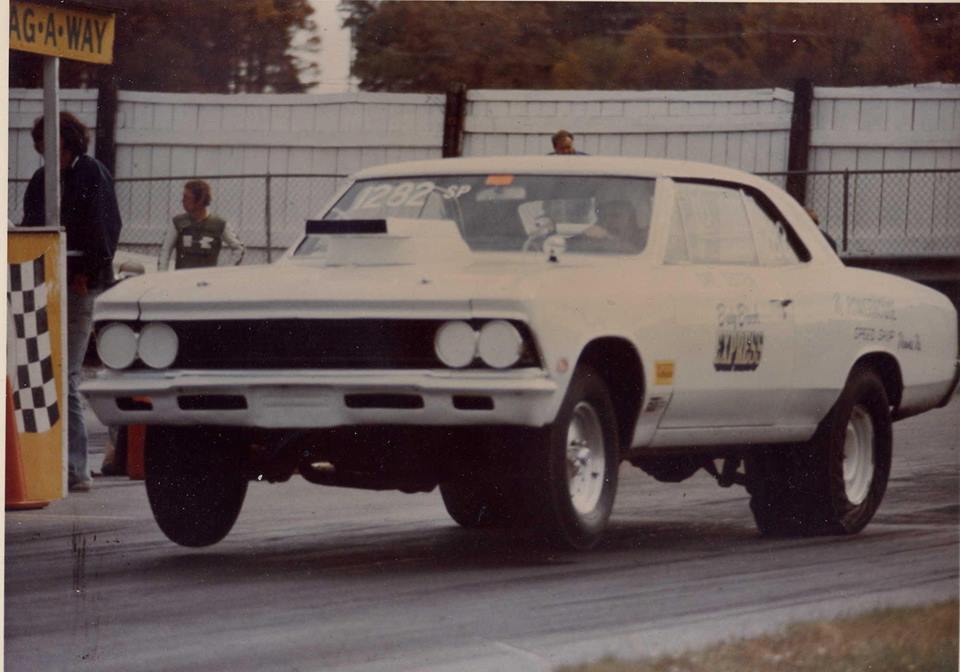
x=561, y=165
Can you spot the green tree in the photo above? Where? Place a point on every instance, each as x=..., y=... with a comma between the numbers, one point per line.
x=850, y=45
x=938, y=32
x=426, y=46
x=650, y=63
x=222, y=46
x=587, y=64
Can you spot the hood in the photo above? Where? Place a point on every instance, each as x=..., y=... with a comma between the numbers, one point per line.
x=361, y=268
x=310, y=288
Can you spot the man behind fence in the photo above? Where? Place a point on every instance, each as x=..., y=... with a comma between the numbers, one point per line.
x=197, y=235
x=562, y=142
x=91, y=217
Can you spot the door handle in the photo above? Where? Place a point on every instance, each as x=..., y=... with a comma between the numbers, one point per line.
x=783, y=302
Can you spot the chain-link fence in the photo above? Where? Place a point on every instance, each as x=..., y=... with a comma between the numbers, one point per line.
x=886, y=212
x=870, y=212
x=267, y=211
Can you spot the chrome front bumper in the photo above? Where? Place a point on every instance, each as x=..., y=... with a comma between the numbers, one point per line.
x=321, y=399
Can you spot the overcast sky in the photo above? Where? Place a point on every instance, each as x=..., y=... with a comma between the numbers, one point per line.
x=334, y=56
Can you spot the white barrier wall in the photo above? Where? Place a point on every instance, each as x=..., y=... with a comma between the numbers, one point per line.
x=889, y=128
x=886, y=127
x=744, y=129
x=337, y=134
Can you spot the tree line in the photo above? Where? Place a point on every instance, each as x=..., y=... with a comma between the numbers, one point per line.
x=426, y=46
x=242, y=46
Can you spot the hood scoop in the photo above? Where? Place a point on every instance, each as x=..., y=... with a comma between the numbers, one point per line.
x=384, y=242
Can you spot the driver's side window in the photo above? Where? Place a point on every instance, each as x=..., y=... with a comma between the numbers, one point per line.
x=710, y=225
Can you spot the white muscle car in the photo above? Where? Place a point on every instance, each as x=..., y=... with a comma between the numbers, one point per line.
x=512, y=329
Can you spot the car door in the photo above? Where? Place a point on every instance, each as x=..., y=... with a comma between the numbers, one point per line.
x=735, y=333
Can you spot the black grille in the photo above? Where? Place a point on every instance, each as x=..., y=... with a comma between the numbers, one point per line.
x=317, y=344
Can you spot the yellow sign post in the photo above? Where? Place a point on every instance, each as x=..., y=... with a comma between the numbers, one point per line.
x=36, y=298
x=77, y=34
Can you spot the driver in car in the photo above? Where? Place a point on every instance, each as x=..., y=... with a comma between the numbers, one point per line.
x=616, y=229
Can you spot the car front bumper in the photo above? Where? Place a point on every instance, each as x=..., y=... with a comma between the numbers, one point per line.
x=322, y=399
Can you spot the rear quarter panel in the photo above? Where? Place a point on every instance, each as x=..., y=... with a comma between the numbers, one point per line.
x=845, y=314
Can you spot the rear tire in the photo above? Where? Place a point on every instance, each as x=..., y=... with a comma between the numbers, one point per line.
x=834, y=483
x=195, y=484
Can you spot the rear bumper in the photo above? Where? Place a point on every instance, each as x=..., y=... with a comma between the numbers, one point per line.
x=321, y=399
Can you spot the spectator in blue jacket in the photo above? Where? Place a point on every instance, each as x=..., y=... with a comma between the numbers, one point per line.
x=91, y=217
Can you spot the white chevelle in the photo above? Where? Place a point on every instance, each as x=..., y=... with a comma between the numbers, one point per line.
x=512, y=329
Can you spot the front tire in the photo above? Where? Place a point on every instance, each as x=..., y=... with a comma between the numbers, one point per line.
x=834, y=483
x=575, y=466
x=195, y=484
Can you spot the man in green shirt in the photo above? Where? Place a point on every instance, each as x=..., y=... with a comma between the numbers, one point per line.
x=197, y=235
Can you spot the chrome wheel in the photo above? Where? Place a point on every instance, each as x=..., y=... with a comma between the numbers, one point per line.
x=858, y=465
x=586, y=461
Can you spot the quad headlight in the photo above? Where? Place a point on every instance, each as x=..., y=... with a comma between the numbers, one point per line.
x=117, y=345
x=455, y=344
x=158, y=345
x=500, y=344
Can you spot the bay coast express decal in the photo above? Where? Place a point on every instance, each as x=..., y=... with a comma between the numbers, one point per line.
x=739, y=338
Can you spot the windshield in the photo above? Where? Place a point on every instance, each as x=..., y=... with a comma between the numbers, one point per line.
x=606, y=215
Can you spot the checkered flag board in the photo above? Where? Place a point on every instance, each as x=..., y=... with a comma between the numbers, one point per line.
x=35, y=394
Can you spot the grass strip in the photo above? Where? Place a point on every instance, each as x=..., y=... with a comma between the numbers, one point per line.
x=912, y=639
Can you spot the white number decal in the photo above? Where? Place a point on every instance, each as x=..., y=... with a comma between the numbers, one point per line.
x=420, y=193
x=377, y=194
x=400, y=194
x=361, y=197
x=405, y=194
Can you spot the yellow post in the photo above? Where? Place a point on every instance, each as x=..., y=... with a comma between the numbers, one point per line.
x=36, y=357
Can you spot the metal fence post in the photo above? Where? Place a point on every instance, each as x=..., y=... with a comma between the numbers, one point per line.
x=846, y=207
x=106, y=131
x=798, y=155
x=453, y=117
x=266, y=218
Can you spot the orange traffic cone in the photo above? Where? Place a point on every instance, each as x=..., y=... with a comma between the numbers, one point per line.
x=15, y=479
x=136, y=440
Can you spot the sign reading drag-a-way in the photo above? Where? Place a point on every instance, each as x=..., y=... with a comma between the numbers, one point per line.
x=77, y=34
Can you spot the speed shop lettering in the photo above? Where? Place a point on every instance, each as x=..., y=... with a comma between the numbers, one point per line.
x=873, y=334
x=739, y=348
